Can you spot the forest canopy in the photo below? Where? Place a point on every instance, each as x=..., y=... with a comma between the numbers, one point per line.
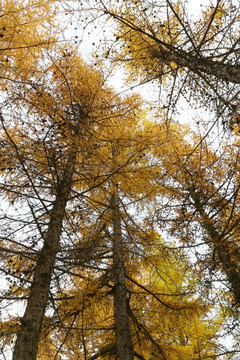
x=119, y=203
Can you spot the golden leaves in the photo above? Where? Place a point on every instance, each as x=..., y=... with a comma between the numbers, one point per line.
x=24, y=33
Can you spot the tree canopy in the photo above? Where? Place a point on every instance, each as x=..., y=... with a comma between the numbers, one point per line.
x=197, y=59
x=119, y=220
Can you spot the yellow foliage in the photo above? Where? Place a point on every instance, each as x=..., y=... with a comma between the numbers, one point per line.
x=179, y=352
x=26, y=28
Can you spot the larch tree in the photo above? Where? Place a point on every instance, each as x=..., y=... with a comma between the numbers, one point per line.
x=204, y=190
x=50, y=138
x=199, y=58
x=87, y=183
x=159, y=284
x=106, y=253
x=124, y=272
x=193, y=59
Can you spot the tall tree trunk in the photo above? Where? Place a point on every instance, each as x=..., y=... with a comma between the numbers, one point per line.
x=220, y=70
x=227, y=255
x=26, y=346
x=124, y=347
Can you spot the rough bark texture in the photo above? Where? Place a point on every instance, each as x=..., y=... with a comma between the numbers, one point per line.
x=222, y=71
x=227, y=255
x=26, y=346
x=124, y=347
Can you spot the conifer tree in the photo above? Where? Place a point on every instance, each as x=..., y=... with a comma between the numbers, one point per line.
x=53, y=152
x=196, y=60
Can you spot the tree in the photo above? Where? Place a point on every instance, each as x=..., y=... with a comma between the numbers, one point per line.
x=203, y=190
x=158, y=284
x=85, y=315
x=50, y=164
x=113, y=151
x=124, y=347
x=198, y=57
x=196, y=60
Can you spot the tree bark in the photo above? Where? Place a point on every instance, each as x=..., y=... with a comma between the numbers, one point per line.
x=227, y=255
x=218, y=69
x=26, y=346
x=124, y=347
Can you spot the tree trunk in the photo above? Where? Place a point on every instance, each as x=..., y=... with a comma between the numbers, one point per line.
x=26, y=346
x=220, y=70
x=226, y=254
x=124, y=347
